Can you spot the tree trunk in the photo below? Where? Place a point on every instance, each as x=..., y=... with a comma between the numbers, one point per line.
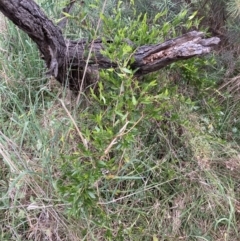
x=67, y=59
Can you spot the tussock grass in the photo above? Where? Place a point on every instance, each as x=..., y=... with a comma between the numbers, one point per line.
x=177, y=180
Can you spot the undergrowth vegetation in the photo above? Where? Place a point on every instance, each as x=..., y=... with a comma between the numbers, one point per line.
x=150, y=158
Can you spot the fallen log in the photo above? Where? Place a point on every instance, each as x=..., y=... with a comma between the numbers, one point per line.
x=66, y=59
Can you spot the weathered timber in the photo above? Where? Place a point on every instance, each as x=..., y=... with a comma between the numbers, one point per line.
x=67, y=59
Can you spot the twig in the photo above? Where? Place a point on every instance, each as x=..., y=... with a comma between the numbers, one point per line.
x=62, y=23
x=84, y=141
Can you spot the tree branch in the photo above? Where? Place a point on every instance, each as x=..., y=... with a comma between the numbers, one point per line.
x=66, y=59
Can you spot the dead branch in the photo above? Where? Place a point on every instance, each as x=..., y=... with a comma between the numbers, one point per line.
x=66, y=59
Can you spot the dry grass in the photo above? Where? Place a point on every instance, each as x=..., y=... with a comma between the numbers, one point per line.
x=177, y=181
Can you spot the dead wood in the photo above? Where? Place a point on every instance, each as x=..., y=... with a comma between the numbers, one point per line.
x=67, y=59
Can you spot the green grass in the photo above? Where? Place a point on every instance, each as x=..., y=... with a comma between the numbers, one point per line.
x=167, y=170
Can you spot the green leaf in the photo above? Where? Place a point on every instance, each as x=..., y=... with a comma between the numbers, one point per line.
x=193, y=15
x=91, y=194
x=128, y=71
x=134, y=101
x=159, y=15
x=67, y=15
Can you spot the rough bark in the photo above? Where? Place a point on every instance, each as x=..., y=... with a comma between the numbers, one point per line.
x=66, y=59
